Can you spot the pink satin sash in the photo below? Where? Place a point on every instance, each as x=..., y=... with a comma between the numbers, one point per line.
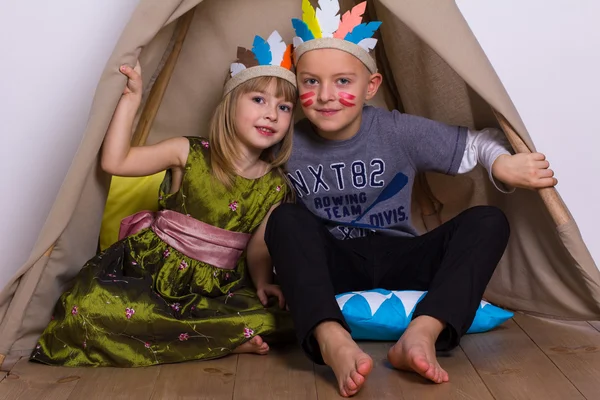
x=195, y=239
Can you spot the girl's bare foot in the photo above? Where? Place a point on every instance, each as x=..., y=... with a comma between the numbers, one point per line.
x=415, y=351
x=255, y=345
x=350, y=364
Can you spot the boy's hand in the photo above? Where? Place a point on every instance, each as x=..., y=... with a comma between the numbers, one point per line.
x=267, y=290
x=133, y=89
x=528, y=171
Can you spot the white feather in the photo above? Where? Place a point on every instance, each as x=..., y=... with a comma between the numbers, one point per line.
x=368, y=44
x=327, y=15
x=236, y=68
x=278, y=48
x=297, y=41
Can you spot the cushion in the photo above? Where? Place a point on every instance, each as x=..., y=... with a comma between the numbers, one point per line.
x=380, y=314
x=127, y=196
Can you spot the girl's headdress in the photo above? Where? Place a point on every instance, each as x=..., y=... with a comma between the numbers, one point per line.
x=324, y=29
x=271, y=57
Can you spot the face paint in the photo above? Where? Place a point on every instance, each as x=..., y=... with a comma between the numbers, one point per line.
x=308, y=96
x=344, y=97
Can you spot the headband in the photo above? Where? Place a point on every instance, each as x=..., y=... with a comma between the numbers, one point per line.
x=271, y=57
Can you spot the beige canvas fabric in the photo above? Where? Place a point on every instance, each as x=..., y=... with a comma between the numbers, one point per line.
x=433, y=66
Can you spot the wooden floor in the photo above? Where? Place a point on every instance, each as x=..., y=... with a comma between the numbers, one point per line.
x=526, y=358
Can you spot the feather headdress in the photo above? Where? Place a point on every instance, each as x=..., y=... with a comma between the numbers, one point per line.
x=324, y=28
x=271, y=57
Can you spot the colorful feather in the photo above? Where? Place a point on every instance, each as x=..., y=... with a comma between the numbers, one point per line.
x=246, y=57
x=236, y=68
x=302, y=30
x=277, y=46
x=261, y=50
x=362, y=31
x=297, y=41
x=368, y=44
x=327, y=15
x=309, y=17
x=286, y=62
x=350, y=20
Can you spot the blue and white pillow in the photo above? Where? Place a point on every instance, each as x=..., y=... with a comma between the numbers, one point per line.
x=380, y=314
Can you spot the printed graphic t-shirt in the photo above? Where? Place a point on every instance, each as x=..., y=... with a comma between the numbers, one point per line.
x=364, y=184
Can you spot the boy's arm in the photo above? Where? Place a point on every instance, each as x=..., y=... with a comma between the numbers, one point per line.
x=260, y=265
x=484, y=147
x=507, y=171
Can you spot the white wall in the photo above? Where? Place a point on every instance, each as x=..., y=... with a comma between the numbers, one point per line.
x=547, y=54
x=53, y=53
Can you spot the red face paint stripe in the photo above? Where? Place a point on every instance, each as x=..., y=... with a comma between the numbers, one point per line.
x=308, y=103
x=307, y=95
x=346, y=103
x=347, y=96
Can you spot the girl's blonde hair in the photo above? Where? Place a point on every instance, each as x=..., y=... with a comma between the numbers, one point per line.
x=222, y=133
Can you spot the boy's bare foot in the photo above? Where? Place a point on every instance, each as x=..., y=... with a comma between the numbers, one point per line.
x=350, y=364
x=415, y=351
x=255, y=345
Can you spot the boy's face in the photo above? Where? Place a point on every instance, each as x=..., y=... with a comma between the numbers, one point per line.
x=333, y=87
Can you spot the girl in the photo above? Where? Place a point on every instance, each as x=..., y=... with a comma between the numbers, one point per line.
x=174, y=288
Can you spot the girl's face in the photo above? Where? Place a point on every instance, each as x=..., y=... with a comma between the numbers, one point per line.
x=262, y=119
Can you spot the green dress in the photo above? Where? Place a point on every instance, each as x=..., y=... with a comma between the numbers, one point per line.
x=141, y=302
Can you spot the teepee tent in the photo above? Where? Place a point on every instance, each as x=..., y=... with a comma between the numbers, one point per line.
x=433, y=66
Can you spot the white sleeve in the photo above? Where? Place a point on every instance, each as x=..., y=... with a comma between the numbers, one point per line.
x=484, y=147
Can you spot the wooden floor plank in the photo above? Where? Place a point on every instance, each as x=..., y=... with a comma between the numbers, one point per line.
x=574, y=347
x=595, y=324
x=2, y=375
x=116, y=383
x=212, y=379
x=388, y=383
x=28, y=380
x=513, y=367
x=283, y=374
x=526, y=359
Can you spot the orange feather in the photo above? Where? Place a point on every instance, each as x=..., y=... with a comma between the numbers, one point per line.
x=350, y=20
x=287, y=58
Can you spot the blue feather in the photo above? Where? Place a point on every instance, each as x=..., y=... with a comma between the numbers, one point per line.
x=302, y=30
x=362, y=31
x=262, y=51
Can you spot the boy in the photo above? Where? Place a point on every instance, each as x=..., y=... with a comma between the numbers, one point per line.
x=351, y=229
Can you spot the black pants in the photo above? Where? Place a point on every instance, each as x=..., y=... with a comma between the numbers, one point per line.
x=454, y=263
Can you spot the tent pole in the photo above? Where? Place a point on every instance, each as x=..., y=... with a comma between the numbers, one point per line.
x=158, y=89
x=549, y=196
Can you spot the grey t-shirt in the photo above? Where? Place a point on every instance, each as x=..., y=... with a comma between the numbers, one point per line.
x=364, y=184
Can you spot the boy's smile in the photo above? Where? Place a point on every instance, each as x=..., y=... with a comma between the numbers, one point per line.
x=333, y=87
x=327, y=112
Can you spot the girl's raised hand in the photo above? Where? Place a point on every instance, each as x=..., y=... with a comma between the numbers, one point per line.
x=133, y=88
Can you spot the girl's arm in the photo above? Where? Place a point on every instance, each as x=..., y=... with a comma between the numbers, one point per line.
x=260, y=265
x=118, y=157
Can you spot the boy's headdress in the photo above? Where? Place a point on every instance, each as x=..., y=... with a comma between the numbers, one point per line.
x=271, y=57
x=324, y=29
